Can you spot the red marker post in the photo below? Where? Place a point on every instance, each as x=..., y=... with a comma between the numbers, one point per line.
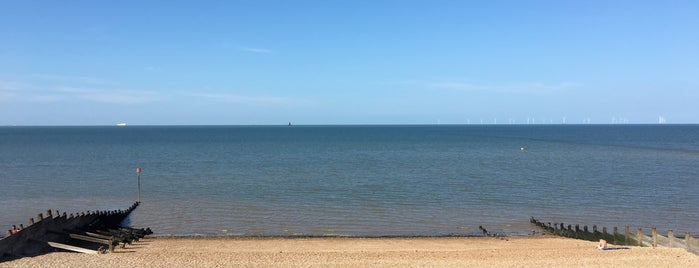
x=138, y=172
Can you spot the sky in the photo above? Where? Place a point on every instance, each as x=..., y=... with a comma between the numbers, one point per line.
x=348, y=62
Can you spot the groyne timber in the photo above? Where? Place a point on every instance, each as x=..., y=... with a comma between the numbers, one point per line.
x=614, y=236
x=86, y=232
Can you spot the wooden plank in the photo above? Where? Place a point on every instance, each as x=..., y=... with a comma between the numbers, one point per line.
x=98, y=236
x=72, y=248
x=90, y=239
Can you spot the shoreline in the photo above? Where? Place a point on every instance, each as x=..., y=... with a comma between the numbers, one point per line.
x=547, y=251
x=311, y=236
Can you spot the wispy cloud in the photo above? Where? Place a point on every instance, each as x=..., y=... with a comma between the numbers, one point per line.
x=56, y=88
x=110, y=96
x=251, y=100
x=457, y=86
x=10, y=89
x=8, y=85
x=256, y=50
x=55, y=78
x=522, y=87
x=45, y=98
x=7, y=95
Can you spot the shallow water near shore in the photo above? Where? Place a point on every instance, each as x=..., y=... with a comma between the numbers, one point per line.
x=357, y=180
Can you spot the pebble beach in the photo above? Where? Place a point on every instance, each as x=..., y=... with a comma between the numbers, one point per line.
x=542, y=251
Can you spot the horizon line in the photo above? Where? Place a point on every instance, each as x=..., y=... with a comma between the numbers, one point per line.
x=357, y=124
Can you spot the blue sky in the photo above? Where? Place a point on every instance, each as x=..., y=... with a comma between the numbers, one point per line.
x=348, y=62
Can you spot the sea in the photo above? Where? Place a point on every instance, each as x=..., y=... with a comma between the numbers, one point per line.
x=356, y=180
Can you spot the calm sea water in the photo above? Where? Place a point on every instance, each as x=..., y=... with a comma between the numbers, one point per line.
x=357, y=180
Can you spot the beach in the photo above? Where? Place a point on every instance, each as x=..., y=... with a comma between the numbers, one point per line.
x=545, y=251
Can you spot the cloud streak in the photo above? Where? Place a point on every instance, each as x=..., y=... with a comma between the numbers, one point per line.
x=110, y=96
x=522, y=87
x=7, y=96
x=256, y=50
x=70, y=89
x=250, y=100
x=11, y=90
x=457, y=86
x=53, y=78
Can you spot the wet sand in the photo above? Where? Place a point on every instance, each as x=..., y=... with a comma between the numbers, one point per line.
x=366, y=252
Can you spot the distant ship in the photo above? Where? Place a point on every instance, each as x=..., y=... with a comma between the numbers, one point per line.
x=121, y=125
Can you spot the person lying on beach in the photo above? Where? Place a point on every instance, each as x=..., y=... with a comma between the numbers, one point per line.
x=603, y=246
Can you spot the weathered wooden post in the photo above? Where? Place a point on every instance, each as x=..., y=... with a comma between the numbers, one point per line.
x=639, y=237
x=654, y=235
x=687, y=237
x=616, y=233
x=604, y=233
x=594, y=228
x=39, y=217
x=627, y=235
x=585, y=229
x=670, y=237
x=138, y=172
x=577, y=228
x=48, y=214
x=9, y=233
x=31, y=221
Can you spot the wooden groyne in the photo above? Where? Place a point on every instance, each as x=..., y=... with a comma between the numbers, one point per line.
x=629, y=238
x=87, y=232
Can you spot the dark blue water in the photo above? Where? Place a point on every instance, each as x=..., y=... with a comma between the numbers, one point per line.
x=357, y=180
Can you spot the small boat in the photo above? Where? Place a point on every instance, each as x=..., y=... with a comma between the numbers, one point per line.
x=121, y=125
